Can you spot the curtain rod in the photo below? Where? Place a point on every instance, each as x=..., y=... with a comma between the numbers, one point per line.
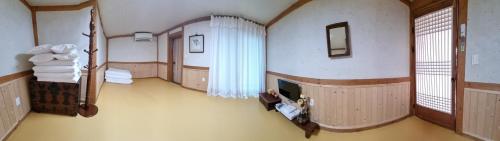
x=241, y=18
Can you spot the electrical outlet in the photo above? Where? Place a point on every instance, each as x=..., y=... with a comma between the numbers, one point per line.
x=203, y=79
x=311, y=103
x=18, y=101
x=475, y=59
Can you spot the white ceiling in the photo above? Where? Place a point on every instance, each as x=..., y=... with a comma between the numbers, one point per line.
x=128, y=16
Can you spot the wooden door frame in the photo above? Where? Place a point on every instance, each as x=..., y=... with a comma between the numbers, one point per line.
x=170, y=50
x=420, y=9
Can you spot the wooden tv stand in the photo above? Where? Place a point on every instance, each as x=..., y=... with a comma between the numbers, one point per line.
x=309, y=127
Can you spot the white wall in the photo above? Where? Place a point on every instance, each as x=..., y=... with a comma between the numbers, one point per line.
x=101, y=43
x=483, y=40
x=163, y=48
x=125, y=49
x=65, y=27
x=197, y=59
x=16, y=37
x=379, y=40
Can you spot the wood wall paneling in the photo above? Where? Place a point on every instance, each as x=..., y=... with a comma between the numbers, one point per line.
x=481, y=117
x=138, y=69
x=100, y=78
x=11, y=113
x=193, y=78
x=162, y=70
x=353, y=107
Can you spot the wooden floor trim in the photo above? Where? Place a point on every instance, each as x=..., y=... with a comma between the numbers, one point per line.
x=195, y=67
x=331, y=129
x=15, y=127
x=483, y=86
x=14, y=76
x=343, y=81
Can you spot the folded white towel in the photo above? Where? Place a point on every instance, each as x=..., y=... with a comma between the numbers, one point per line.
x=118, y=71
x=56, y=69
x=119, y=81
x=59, y=63
x=64, y=80
x=41, y=49
x=123, y=76
x=68, y=56
x=57, y=75
x=41, y=58
x=63, y=49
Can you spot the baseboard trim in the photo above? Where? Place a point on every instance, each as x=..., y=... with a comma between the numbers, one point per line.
x=357, y=129
x=193, y=89
x=14, y=128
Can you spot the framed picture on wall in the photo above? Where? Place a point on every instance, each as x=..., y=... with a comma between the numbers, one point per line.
x=196, y=43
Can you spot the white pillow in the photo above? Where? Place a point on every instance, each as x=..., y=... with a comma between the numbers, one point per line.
x=68, y=56
x=41, y=58
x=41, y=49
x=63, y=49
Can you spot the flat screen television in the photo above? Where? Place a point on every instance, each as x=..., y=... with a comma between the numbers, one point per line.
x=289, y=90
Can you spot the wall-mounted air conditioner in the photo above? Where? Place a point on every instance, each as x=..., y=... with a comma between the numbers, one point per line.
x=143, y=36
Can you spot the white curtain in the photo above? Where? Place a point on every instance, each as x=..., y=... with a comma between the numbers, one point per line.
x=237, y=68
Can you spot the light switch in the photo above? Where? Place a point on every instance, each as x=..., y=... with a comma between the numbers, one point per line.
x=203, y=79
x=311, y=102
x=18, y=101
x=475, y=59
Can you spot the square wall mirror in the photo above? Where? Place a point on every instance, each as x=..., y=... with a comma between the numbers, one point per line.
x=338, y=40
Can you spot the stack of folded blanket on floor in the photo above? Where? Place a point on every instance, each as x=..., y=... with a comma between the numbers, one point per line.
x=56, y=63
x=118, y=76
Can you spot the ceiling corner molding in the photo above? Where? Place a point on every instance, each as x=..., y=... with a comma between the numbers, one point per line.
x=26, y=4
x=205, y=18
x=287, y=11
x=65, y=7
x=406, y=2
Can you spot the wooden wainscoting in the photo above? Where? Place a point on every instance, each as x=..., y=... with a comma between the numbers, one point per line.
x=162, y=70
x=138, y=69
x=347, y=107
x=192, y=78
x=100, y=78
x=10, y=113
x=481, y=116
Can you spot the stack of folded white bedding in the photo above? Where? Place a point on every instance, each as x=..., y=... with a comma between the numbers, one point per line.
x=56, y=63
x=118, y=76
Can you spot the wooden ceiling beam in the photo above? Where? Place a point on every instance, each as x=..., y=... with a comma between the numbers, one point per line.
x=287, y=11
x=65, y=7
x=406, y=2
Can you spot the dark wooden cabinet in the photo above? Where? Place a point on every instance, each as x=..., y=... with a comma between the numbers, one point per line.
x=55, y=98
x=268, y=100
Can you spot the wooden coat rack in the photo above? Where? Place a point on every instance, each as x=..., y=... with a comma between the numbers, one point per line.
x=88, y=109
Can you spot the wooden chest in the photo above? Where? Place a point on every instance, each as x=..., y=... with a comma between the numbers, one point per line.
x=55, y=97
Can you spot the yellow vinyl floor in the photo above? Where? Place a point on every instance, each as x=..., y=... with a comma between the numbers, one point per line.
x=156, y=110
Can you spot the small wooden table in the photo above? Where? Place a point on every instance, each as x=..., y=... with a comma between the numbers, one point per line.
x=268, y=100
x=309, y=127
